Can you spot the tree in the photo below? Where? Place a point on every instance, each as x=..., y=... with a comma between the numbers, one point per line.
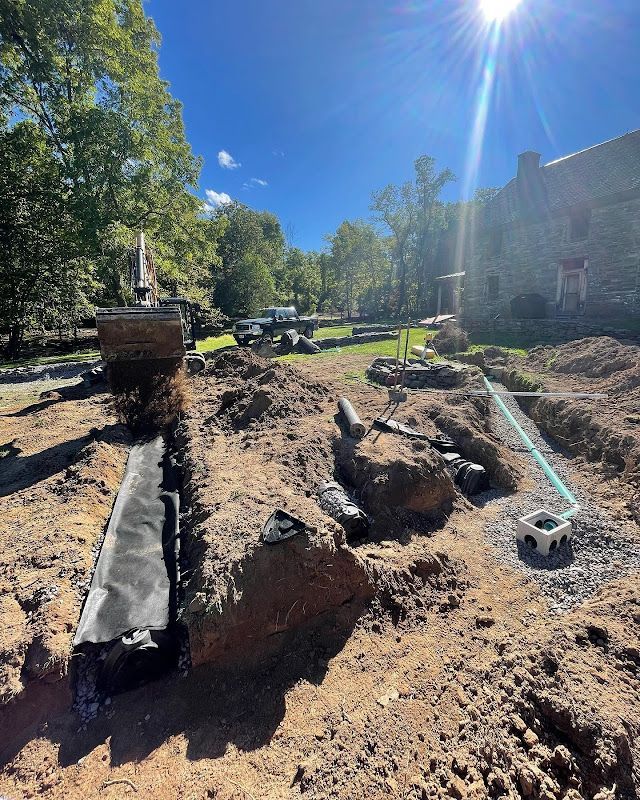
x=359, y=265
x=250, y=286
x=86, y=73
x=300, y=280
x=412, y=213
x=247, y=233
x=39, y=277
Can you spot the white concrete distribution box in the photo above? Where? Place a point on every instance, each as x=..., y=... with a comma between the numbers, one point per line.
x=541, y=540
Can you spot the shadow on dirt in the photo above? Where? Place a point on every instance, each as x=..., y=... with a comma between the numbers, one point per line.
x=19, y=472
x=62, y=394
x=210, y=707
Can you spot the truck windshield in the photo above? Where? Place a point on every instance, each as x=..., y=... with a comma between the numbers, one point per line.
x=264, y=313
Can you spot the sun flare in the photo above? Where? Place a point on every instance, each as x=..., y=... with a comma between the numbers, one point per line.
x=497, y=10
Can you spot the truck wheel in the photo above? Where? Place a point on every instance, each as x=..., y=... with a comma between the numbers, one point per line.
x=309, y=332
x=242, y=341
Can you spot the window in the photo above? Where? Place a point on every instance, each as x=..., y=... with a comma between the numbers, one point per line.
x=579, y=224
x=493, y=287
x=494, y=245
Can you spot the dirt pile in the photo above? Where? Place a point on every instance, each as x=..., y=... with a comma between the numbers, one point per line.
x=261, y=391
x=267, y=442
x=593, y=357
x=538, y=717
x=148, y=395
x=451, y=338
x=391, y=473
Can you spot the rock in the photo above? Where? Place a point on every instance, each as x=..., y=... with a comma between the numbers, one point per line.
x=529, y=738
x=385, y=699
x=484, y=621
x=527, y=780
x=572, y=794
x=518, y=724
x=461, y=697
x=605, y=794
x=456, y=788
x=561, y=757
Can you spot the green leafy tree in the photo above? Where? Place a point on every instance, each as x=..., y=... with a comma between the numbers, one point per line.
x=359, y=265
x=412, y=213
x=86, y=73
x=247, y=233
x=300, y=280
x=39, y=277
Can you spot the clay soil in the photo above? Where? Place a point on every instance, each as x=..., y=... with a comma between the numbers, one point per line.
x=411, y=665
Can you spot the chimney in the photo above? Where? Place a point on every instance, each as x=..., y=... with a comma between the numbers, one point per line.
x=528, y=165
x=530, y=185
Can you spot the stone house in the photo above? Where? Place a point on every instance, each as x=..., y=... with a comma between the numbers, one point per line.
x=560, y=240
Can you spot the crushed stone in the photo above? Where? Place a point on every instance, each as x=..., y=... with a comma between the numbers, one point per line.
x=602, y=549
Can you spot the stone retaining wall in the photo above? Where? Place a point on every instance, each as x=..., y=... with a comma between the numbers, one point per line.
x=545, y=331
x=343, y=341
x=417, y=375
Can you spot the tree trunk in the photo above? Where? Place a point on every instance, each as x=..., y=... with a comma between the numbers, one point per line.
x=16, y=334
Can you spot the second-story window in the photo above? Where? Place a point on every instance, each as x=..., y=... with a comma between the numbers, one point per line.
x=579, y=224
x=493, y=287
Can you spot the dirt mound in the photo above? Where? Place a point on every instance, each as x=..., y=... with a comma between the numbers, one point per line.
x=451, y=338
x=264, y=391
x=466, y=423
x=148, y=394
x=390, y=473
x=594, y=357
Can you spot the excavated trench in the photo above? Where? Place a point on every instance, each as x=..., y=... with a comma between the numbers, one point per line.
x=228, y=596
x=128, y=630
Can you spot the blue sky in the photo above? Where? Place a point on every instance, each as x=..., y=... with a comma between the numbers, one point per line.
x=326, y=100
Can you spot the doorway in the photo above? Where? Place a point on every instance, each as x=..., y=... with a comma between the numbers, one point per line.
x=572, y=286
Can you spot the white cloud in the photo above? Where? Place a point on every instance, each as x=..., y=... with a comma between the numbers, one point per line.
x=278, y=153
x=216, y=199
x=255, y=182
x=227, y=161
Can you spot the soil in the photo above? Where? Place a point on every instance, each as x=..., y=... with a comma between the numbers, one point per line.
x=61, y=466
x=412, y=665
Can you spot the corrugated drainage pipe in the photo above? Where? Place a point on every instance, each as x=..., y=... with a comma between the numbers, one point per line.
x=537, y=455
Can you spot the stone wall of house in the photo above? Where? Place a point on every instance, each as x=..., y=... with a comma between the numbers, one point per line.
x=544, y=331
x=531, y=253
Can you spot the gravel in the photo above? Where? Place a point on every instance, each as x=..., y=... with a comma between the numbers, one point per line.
x=602, y=549
x=26, y=384
x=46, y=372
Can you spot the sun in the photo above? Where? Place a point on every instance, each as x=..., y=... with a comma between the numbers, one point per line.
x=497, y=10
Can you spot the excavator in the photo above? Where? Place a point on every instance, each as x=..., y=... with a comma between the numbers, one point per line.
x=153, y=329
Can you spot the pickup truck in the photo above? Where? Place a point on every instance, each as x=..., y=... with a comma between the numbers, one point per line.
x=272, y=323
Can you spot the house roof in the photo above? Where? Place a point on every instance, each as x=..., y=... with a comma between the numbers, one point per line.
x=601, y=171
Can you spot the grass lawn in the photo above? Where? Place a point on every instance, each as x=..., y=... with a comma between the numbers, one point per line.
x=386, y=347
x=516, y=351
x=336, y=330
x=215, y=342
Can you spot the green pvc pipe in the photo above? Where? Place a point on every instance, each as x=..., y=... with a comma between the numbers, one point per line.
x=537, y=455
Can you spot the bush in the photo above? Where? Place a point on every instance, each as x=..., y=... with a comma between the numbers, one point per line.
x=451, y=339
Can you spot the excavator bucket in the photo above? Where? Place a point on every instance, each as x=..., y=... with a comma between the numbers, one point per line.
x=140, y=333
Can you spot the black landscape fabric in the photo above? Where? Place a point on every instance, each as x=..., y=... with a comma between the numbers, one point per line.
x=133, y=585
